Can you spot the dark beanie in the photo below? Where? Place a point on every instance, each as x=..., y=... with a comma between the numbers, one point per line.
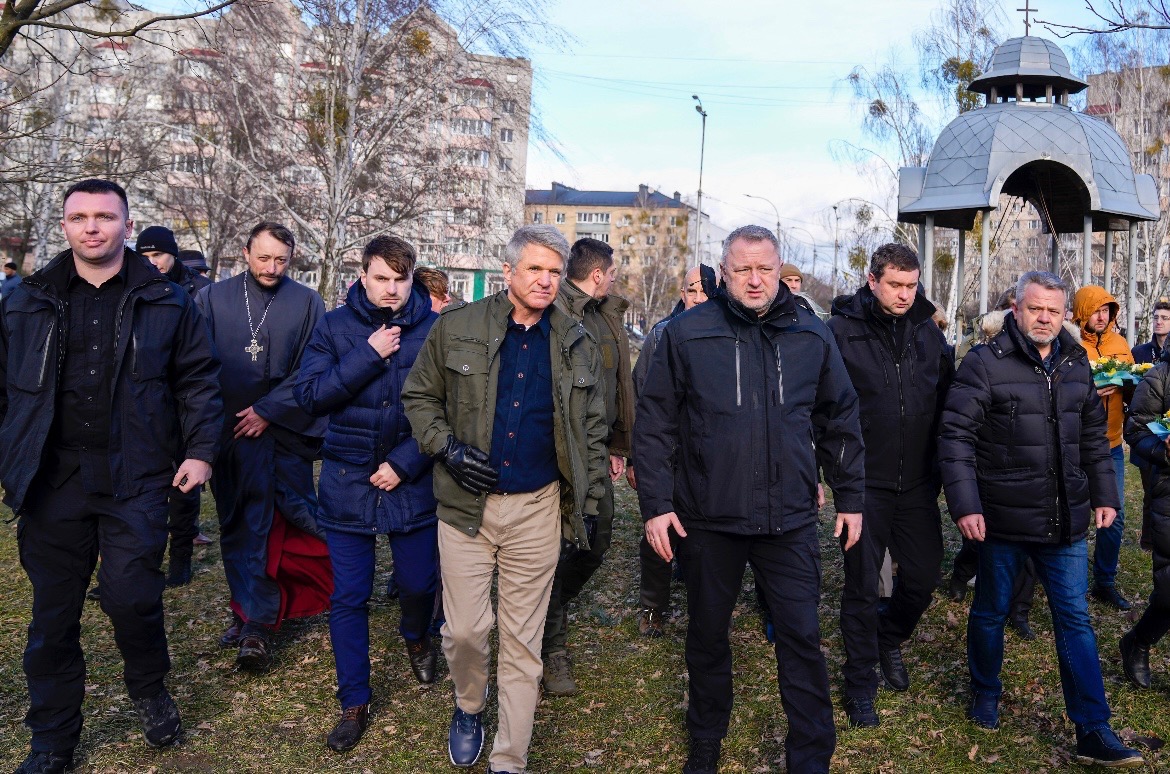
x=157, y=238
x=194, y=260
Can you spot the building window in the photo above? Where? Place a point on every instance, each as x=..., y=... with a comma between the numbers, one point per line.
x=471, y=126
x=538, y=217
x=508, y=106
x=630, y=240
x=494, y=283
x=625, y=220
x=651, y=239
x=505, y=164
x=676, y=221
x=186, y=162
x=593, y=217
x=505, y=135
x=560, y=217
x=470, y=158
x=625, y=260
x=653, y=220
x=460, y=284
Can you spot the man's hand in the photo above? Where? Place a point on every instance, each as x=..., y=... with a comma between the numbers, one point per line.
x=973, y=527
x=470, y=467
x=1105, y=392
x=633, y=482
x=191, y=474
x=820, y=495
x=617, y=466
x=385, y=478
x=251, y=424
x=658, y=534
x=852, y=523
x=385, y=341
x=1105, y=516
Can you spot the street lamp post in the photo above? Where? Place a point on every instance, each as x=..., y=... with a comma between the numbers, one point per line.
x=836, y=247
x=812, y=237
x=773, y=206
x=702, y=151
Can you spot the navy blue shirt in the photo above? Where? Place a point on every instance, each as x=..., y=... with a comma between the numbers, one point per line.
x=523, y=447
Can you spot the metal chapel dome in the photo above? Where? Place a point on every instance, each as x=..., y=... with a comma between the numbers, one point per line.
x=1026, y=141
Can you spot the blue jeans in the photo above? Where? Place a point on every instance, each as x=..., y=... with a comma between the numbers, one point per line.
x=1062, y=569
x=1109, y=540
x=416, y=567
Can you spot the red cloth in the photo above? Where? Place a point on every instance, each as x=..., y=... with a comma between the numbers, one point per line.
x=299, y=563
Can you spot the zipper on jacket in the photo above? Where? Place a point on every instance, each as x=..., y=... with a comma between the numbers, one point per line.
x=779, y=376
x=45, y=354
x=738, y=394
x=901, y=422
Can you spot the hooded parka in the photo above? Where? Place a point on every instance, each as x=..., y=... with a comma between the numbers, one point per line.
x=344, y=378
x=901, y=378
x=1108, y=343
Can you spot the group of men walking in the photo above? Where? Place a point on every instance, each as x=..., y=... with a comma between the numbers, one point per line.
x=126, y=386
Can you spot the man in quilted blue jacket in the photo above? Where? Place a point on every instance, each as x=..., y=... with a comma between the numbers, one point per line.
x=374, y=478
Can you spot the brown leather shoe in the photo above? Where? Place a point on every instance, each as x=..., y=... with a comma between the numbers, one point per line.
x=348, y=731
x=231, y=636
x=422, y=659
x=650, y=623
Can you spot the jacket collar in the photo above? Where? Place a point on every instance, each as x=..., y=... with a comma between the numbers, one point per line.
x=1011, y=341
x=862, y=305
x=565, y=328
x=780, y=314
x=55, y=274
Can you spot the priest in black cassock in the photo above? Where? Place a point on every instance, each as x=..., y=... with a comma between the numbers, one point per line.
x=274, y=555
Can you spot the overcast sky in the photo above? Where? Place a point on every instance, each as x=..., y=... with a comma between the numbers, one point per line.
x=771, y=77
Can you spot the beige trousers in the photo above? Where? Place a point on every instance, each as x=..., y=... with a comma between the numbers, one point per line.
x=521, y=538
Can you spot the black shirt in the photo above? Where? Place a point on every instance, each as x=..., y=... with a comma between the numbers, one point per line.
x=80, y=437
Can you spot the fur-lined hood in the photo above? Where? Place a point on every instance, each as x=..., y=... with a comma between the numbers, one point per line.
x=992, y=323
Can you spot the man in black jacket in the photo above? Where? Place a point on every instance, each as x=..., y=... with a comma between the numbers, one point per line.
x=901, y=367
x=1025, y=464
x=157, y=244
x=746, y=397
x=107, y=371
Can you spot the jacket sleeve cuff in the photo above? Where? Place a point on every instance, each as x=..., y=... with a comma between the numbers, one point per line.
x=848, y=503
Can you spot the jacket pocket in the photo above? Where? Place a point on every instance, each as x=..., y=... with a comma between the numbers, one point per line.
x=470, y=368
x=31, y=358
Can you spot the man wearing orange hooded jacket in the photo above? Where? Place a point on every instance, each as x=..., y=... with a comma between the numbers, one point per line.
x=1095, y=312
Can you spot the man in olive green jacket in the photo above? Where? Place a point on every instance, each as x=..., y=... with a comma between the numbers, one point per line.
x=506, y=395
x=585, y=295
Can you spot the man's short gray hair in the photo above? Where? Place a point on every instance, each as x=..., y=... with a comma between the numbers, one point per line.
x=546, y=236
x=751, y=234
x=1044, y=279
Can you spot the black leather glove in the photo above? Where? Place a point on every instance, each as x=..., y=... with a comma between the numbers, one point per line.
x=468, y=466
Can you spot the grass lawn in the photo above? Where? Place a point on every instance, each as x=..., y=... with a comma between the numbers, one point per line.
x=628, y=715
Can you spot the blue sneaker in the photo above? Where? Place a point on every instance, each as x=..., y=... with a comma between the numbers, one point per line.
x=465, y=740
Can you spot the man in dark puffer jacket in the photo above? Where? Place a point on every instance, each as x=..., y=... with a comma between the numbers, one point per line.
x=374, y=478
x=1025, y=464
x=1150, y=403
x=900, y=365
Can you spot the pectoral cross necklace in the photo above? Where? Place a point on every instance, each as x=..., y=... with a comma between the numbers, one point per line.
x=254, y=348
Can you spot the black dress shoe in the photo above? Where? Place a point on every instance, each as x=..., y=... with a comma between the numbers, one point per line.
x=704, y=756
x=46, y=763
x=94, y=594
x=861, y=712
x=1021, y=626
x=1103, y=748
x=465, y=738
x=348, y=731
x=893, y=670
x=160, y=719
x=1135, y=660
x=422, y=659
x=255, y=650
x=1109, y=595
x=231, y=636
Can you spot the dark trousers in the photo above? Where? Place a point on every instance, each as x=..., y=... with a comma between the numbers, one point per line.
x=573, y=573
x=1023, y=589
x=789, y=569
x=61, y=534
x=183, y=522
x=656, y=575
x=908, y=525
x=416, y=566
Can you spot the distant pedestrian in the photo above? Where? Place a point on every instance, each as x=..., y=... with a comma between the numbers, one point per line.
x=10, y=281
